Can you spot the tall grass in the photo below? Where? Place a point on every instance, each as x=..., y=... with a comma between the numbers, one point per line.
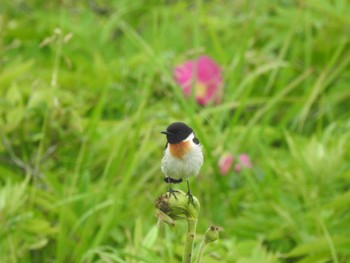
x=85, y=89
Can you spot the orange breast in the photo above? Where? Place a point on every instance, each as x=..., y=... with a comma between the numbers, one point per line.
x=179, y=149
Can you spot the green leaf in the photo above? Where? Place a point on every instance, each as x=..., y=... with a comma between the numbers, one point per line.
x=319, y=245
x=38, y=244
x=12, y=72
x=151, y=237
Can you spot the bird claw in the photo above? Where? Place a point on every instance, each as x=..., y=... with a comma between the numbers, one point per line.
x=190, y=198
x=172, y=193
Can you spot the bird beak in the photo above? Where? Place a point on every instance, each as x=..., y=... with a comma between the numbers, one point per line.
x=165, y=132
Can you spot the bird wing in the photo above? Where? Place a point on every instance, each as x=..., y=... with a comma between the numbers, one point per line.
x=195, y=140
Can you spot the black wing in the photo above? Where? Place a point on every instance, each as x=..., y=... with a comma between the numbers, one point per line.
x=195, y=140
x=170, y=180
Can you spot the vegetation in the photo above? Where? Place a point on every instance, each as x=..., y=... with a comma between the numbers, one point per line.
x=87, y=86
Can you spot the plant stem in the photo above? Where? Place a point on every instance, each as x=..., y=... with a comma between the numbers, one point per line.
x=201, y=251
x=191, y=232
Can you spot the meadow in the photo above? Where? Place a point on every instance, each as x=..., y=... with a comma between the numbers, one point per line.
x=86, y=87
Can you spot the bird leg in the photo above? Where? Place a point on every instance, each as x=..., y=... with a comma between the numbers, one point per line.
x=190, y=196
x=171, y=191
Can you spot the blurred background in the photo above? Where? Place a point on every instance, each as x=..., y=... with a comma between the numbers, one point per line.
x=87, y=86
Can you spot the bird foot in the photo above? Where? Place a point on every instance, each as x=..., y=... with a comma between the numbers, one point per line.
x=190, y=198
x=172, y=192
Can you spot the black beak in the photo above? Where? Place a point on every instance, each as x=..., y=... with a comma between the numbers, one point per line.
x=165, y=132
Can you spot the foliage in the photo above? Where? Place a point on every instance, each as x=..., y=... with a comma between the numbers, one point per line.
x=86, y=87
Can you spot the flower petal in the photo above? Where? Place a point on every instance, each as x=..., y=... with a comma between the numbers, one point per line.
x=183, y=75
x=209, y=76
x=207, y=70
x=237, y=168
x=225, y=163
x=204, y=75
x=244, y=159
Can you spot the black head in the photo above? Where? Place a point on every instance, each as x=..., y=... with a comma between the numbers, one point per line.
x=177, y=132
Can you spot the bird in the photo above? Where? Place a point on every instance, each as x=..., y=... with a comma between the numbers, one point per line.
x=183, y=156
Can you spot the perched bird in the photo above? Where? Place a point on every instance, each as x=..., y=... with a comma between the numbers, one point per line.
x=183, y=155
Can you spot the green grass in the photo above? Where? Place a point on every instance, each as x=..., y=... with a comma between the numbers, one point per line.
x=85, y=90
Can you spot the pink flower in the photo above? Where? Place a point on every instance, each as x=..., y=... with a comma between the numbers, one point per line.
x=237, y=168
x=245, y=160
x=227, y=160
x=225, y=163
x=204, y=75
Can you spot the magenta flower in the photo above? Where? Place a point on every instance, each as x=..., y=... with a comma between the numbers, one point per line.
x=237, y=168
x=225, y=163
x=204, y=75
x=245, y=160
x=228, y=162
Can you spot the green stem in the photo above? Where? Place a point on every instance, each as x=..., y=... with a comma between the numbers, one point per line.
x=191, y=232
x=201, y=251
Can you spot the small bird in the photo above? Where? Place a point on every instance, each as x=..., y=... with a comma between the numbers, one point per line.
x=183, y=157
